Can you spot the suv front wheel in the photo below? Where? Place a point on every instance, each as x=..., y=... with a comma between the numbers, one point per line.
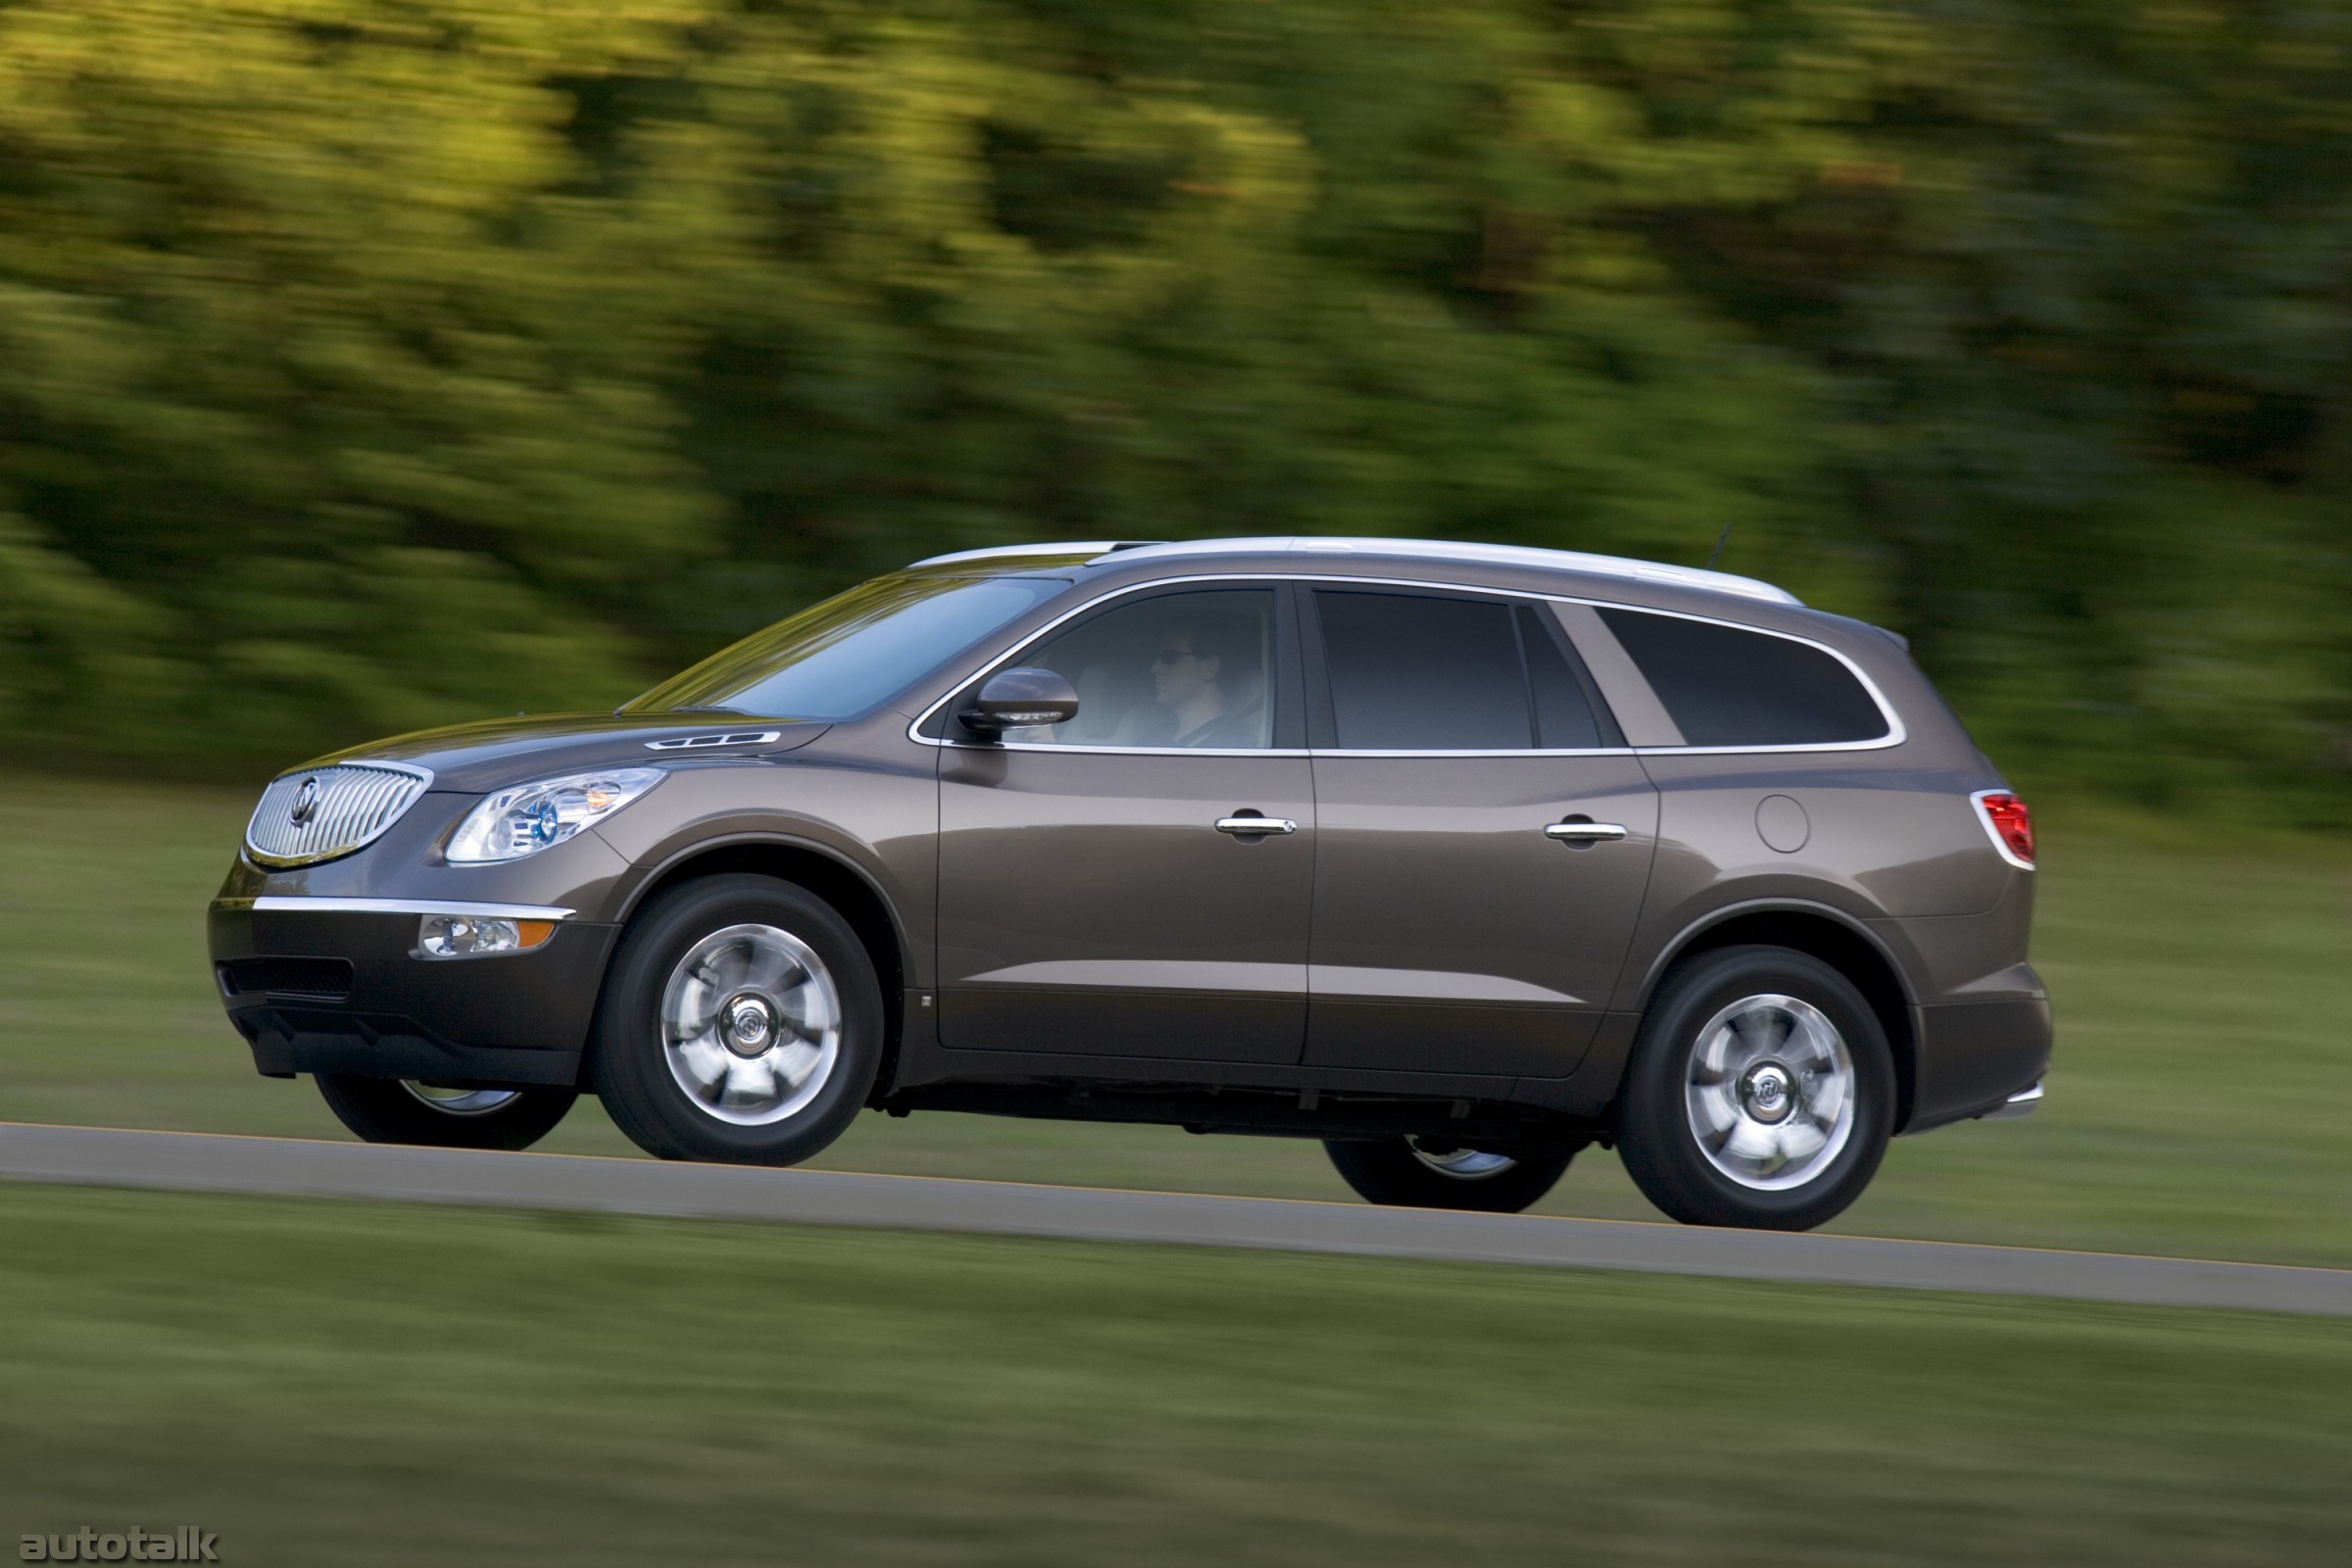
x=1761, y=1093
x=742, y=1022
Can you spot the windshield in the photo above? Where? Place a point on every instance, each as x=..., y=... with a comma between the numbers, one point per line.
x=851, y=653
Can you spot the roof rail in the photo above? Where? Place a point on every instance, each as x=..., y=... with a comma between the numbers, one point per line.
x=1484, y=555
x=1091, y=547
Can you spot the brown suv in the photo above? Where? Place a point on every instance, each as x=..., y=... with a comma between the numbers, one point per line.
x=1456, y=858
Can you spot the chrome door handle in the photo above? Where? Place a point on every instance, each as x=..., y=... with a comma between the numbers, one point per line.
x=1242, y=827
x=1586, y=832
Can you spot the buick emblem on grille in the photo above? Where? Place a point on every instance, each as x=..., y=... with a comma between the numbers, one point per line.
x=305, y=802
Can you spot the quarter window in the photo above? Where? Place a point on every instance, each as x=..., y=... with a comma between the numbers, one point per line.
x=1723, y=686
x=1424, y=673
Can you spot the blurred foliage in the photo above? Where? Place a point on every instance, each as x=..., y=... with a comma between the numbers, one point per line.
x=370, y=363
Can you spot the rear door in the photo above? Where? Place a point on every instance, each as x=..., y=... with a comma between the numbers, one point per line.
x=1090, y=903
x=1484, y=837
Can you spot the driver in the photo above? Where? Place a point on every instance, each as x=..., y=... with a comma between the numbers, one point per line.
x=1193, y=675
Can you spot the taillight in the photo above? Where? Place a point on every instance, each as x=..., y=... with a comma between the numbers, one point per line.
x=2011, y=825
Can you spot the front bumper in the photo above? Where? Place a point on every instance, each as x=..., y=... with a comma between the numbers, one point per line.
x=510, y=1020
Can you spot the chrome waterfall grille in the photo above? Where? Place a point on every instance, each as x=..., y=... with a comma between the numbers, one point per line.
x=322, y=812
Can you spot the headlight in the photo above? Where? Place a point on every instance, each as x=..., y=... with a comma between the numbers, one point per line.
x=526, y=818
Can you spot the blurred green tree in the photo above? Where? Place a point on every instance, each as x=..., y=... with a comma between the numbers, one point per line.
x=308, y=359
x=370, y=363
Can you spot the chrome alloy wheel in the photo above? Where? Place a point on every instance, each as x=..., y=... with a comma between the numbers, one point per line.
x=461, y=1101
x=1770, y=1092
x=1462, y=1164
x=751, y=1025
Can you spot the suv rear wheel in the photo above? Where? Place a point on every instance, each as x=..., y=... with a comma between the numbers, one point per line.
x=392, y=1110
x=1761, y=1091
x=742, y=1022
x=1422, y=1173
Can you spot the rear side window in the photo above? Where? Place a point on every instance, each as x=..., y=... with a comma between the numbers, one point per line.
x=1423, y=672
x=1414, y=673
x=1727, y=687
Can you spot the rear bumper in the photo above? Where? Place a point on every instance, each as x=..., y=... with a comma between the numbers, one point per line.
x=511, y=1021
x=1978, y=1057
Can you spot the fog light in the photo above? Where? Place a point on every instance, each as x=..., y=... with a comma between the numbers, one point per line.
x=476, y=936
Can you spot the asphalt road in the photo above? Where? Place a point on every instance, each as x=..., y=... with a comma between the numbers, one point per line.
x=204, y=1163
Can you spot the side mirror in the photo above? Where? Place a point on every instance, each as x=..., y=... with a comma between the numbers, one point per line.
x=1014, y=699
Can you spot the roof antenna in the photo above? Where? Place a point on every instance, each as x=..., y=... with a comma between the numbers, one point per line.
x=1720, y=540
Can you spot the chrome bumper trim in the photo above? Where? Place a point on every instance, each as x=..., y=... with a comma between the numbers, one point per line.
x=2021, y=1104
x=296, y=903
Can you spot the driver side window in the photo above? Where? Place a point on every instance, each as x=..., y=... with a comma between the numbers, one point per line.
x=1183, y=670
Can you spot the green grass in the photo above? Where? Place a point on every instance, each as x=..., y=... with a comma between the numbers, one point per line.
x=330, y=1383
x=2199, y=1103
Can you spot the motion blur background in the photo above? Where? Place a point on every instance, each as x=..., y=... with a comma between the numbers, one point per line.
x=372, y=364
x=366, y=365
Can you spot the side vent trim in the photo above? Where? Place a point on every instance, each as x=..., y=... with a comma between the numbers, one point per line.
x=696, y=743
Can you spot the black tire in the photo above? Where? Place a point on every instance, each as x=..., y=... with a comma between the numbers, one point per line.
x=1656, y=1135
x=386, y=1110
x=628, y=1058
x=1388, y=1171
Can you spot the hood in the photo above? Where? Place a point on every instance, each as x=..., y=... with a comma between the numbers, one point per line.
x=494, y=752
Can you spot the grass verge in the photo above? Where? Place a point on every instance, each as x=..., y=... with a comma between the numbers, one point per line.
x=327, y=1383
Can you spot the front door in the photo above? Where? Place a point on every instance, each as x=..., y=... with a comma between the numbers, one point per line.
x=1484, y=840
x=1102, y=889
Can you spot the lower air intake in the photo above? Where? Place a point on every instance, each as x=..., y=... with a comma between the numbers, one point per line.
x=323, y=979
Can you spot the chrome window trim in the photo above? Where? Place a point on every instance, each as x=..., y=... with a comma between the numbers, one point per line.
x=1897, y=732
x=1516, y=751
x=307, y=904
x=1126, y=750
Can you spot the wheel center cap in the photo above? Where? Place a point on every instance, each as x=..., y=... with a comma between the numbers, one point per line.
x=749, y=1027
x=1765, y=1092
